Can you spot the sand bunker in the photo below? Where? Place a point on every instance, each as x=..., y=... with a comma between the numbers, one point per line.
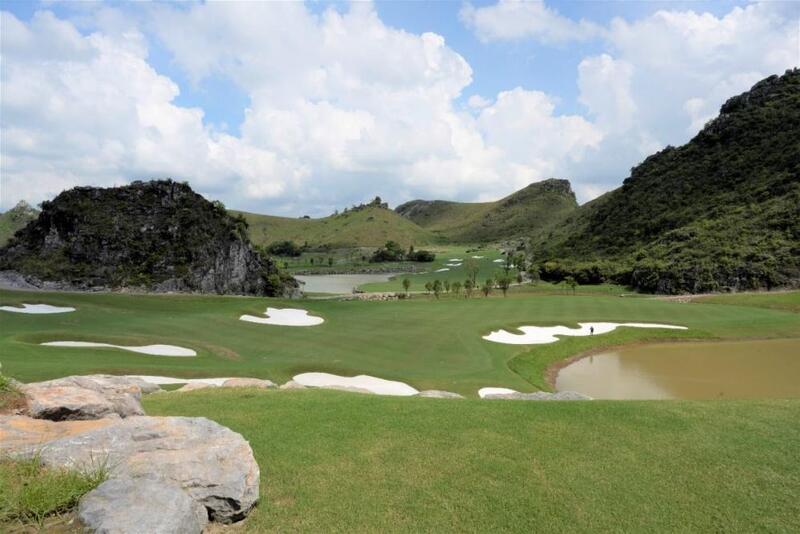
x=539, y=335
x=499, y=260
x=284, y=317
x=455, y=259
x=378, y=386
x=153, y=350
x=37, y=309
x=483, y=392
x=167, y=380
x=477, y=257
x=443, y=269
x=454, y=265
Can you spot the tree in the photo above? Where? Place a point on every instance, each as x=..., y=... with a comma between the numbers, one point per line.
x=504, y=282
x=472, y=268
x=428, y=287
x=487, y=287
x=571, y=283
x=519, y=277
x=455, y=287
x=519, y=261
x=509, y=263
x=533, y=273
x=447, y=286
x=469, y=285
x=330, y=262
x=437, y=287
x=406, y=284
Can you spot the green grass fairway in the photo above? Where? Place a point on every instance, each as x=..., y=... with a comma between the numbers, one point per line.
x=425, y=342
x=789, y=300
x=339, y=462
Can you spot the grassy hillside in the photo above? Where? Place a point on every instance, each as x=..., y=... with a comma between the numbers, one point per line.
x=14, y=219
x=721, y=211
x=527, y=211
x=422, y=341
x=339, y=462
x=367, y=227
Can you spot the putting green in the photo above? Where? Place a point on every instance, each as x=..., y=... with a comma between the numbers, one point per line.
x=426, y=343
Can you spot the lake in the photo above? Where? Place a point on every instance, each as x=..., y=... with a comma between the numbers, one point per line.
x=339, y=283
x=716, y=370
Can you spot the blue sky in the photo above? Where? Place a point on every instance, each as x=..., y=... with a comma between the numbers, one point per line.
x=581, y=90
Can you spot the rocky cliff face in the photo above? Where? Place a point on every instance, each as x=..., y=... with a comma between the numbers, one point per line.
x=157, y=235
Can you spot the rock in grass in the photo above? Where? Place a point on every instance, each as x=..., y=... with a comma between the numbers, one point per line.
x=541, y=396
x=18, y=432
x=291, y=384
x=139, y=506
x=85, y=397
x=248, y=383
x=438, y=394
x=214, y=465
x=193, y=386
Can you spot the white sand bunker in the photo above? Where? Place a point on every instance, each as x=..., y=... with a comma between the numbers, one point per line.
x=37, y=309
x=483, y=392
x=539, y=335
x=153, y=350
x=477, y=257
x=455, y=259
x=443, y=269
x=499, y=260
x=379, y=386
x=454, y=265
x=284, y=317
x=168, y=380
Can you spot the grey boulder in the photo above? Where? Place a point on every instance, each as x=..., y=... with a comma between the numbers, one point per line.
x=212, y=464
x=438, y=394
x=141, y=506
x=85, y=397
x=248, y=383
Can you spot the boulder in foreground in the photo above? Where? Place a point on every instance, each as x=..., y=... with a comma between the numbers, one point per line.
x=138, y=506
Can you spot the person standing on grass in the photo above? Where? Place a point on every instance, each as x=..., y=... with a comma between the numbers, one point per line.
x=591, y=330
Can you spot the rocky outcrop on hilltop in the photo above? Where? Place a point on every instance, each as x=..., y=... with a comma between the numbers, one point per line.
x=157, y=235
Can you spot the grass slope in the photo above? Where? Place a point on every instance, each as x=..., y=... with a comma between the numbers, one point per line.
x=367, y=227
x=427, y=343
x=526, y=211
x=14, y=219
x=338, y=462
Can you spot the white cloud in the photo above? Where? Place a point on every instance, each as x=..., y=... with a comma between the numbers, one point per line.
x=521, y=19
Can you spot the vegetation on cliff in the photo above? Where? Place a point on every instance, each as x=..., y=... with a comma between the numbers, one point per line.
x=157, y=235
x=721, y=212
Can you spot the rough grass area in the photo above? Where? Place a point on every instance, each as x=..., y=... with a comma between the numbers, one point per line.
x=339, y=462
x=429, y=343
x=31, y=493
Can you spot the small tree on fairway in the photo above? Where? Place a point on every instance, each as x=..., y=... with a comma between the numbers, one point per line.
x=447, y=286
x=504, y=282
x=437, y=287
x=471, y=267
x=455, y=287
x=519, y=277
x=330, y=262
x=469, y=285
x=571, y=283
x=509, y=263
x=428, y=287
x=406, y=284
x=487, y=287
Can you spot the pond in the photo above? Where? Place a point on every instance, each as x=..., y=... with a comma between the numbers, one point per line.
x=716, y=370
x=339, y=283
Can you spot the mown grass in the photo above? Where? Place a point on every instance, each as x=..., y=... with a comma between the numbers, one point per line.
x=30, y=492
x=788, y=301
x=339, y=462
x=428, y=343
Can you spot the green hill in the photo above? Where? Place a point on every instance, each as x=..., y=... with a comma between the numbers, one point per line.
x=14, y=219
x=527, y=211
x=368, y=226
x=722, y=211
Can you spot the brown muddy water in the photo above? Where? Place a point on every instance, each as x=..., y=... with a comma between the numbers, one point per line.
x=717, y=370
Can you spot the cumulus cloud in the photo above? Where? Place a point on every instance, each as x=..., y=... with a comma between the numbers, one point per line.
x=522, y=19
